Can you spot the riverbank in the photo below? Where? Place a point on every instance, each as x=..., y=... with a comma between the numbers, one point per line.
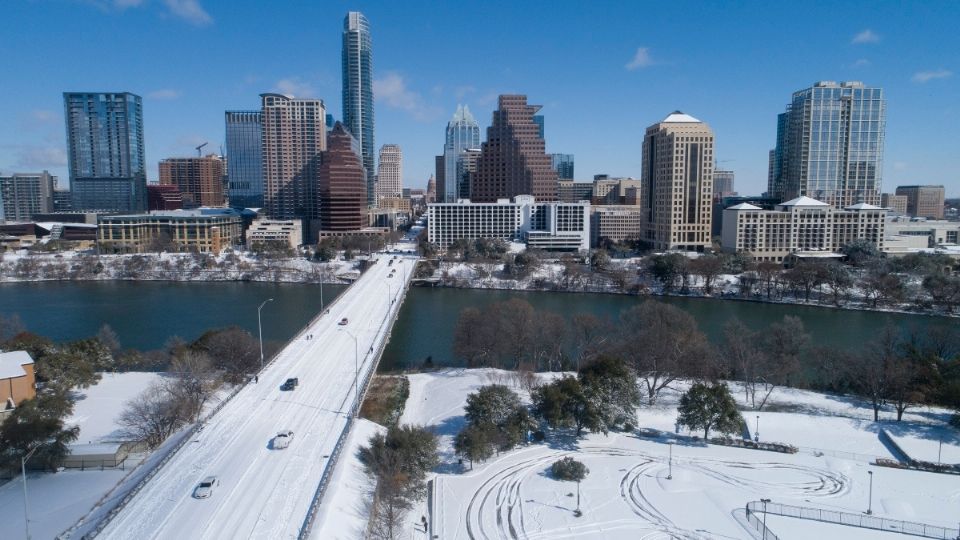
x=625, y=277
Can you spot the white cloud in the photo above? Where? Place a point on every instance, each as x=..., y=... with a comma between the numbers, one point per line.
x=392, y=90
x=925, y=76
x=641, y=59
x=866, y=36
x=44, y=116
x=31, y=158
x=462, y=91
x=294, y=86
x=863, y=62
x=164, y=94
x=190, y=11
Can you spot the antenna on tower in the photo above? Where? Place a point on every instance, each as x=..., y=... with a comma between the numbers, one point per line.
x=199, y=148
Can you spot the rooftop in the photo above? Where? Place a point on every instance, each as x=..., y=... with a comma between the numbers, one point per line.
x=863, y=206
x=11, y=364
x=804, y=201
x=678, y=117
x=744, y=206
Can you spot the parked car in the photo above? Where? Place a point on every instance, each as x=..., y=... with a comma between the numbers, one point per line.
x=205, y=488
x=343, y=321
x=282, y=440
x=290, y=383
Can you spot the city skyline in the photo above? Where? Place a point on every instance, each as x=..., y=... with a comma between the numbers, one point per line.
x=608, y=73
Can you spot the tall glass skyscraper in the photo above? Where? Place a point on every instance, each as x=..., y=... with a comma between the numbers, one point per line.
x=830, y=145
x=244, y=159
x=563, y=164
x=358, y=90
x=463, y=133
x=105, y=151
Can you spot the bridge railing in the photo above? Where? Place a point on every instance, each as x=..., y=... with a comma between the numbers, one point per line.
x=863, y=521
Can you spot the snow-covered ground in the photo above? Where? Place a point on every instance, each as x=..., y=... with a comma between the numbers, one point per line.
x=627, y=493
x=97, y=407
x=262, y=492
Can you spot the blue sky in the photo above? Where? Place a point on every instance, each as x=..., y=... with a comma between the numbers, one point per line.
x=602, y=70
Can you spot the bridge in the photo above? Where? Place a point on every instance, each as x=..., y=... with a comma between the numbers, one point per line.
x=264, y=492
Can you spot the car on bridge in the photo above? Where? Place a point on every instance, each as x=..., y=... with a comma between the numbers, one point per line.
x=290, y=383
x=205, y=488
x=343, y=321
x=282, y=440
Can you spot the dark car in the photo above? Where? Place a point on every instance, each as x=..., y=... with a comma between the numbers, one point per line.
x=290, y=383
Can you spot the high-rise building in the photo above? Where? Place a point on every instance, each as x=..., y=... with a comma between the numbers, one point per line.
x=563, y=164
x=357, y=67
x=538, y=120
x=466, y=169
x=390, y=172
x=105, y=151
x=293, y=137
x=341, y=191
x=431, y=190
x=513, y=159
x=722, y=184
x=923, y=201
x=896, y=204
x=164, y=197
x=22, y=195
x=831, y=145
x=462, y=133
x=199, y=179
x=244, y=159
x=677, y=183
x=441, y=177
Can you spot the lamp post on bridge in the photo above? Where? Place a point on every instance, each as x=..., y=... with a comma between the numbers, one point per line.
x=260, y=329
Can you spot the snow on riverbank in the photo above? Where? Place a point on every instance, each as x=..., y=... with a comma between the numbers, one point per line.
x=628, y=494
x=97, y=407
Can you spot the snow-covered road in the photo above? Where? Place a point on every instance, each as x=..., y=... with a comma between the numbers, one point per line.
x=266, y=493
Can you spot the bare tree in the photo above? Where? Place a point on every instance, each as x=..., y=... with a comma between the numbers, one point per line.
x=708, y=267
x=768, y=272
x=474, y=339
x=784, y=344
x=741, y=349
x=152, y=416
x=195, y=382
x=590, y=334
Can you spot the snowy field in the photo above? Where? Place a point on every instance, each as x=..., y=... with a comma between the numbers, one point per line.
x=627, y=493
x=97, y=407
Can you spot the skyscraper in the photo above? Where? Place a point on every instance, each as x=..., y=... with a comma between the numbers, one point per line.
x=513, y=161
x=390, y=173
x=292, y=138
x=563, y=164
x=830, y=145
x=466, y=168
x=105, y=151
x=677, y=183
x=357, y=67
x=199, y=179
x=24, y=194
x=923, y=201
x=244, y=158
x=723, y=184
x=462, y=133
x=341, y=191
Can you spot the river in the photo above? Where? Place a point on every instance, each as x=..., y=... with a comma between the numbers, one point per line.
x=145, y=314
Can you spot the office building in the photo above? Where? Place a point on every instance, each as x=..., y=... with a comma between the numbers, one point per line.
x=357, y=65
x=923, y=201
x=538, y=120
x=440, y=174
x=390, y=172
x=677, y=183
x=570, y=191
x=466, y=169
x=563, y=164
x=930, y=233
x=802, y=227
x=164, y=197
x=341, y=188
x=244, y=158
x=285, y=232
x=199, y=179
x=614, y=191
x=723, y=184
x=513, y=159
x=62, y=200
x=207, y=230
x=293, y=138
x=105, y=151
x=542, y=225
x=830, y=145
x=615, y=223
x=462, y=134
x=896, y=204
x=431, y=194
x=23, y=195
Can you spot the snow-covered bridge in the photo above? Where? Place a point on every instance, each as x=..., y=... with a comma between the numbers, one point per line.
x=263, y=492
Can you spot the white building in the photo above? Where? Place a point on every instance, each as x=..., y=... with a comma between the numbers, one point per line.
x=390, y=173
x=288, y=231
x=547, y=225
x=802, y=226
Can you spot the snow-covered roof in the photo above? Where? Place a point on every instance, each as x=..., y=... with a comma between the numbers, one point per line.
x=863, y=206
x=678, y=117
x=744, y=206
x=804, y=201
x=11, y=364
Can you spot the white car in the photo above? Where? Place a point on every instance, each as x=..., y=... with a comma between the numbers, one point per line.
x=282, y=440
x=205, y=488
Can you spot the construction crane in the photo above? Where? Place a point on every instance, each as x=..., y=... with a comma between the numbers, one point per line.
x=200, y=148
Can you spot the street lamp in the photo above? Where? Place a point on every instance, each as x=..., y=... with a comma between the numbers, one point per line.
x=356, y=373
x=260, y=330
x=23, y=471
x=670, y=463
x=756, y=433
x=870, y=502
x=764, y=501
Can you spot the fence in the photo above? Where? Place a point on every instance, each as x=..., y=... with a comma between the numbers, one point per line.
x=863, y=521
x=391, y=316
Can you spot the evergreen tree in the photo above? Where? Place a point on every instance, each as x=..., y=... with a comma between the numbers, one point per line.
x=709, y=407
x=611, y=388
x=563, y=404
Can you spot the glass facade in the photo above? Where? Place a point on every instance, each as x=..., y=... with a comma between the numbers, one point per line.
x=357, y=64
x=244, y=159
x=463, y=133
x=832, y=148
x=563, y=164
x=105, y=151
